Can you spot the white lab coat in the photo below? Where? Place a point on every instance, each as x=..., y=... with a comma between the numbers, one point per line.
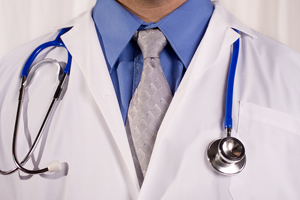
x=87, y=133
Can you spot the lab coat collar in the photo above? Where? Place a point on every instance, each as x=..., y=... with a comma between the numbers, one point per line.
x=219, y=36
x=88, y=56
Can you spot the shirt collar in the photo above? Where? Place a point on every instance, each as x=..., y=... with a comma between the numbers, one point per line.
x=183, y=28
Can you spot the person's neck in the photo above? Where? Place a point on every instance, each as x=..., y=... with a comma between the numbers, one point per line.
x=151, y=10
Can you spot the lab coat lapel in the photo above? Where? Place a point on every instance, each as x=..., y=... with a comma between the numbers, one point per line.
x=82, y=42
x=219, y=36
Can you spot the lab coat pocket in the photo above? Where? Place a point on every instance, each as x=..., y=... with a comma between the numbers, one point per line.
x=272, y=143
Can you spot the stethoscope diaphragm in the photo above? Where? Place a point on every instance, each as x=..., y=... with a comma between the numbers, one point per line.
x=227, y=156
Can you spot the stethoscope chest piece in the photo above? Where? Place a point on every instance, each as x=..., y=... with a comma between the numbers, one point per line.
x=227, y=156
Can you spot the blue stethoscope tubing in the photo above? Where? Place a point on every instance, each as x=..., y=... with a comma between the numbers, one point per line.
x=54, y=166
x=230, y=84
x=55, y=43
x=59, y=43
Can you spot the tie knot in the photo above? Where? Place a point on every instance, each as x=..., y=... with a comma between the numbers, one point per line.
x=151, y=42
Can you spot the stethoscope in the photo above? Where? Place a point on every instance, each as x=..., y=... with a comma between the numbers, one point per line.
x=226, y=155
x=26, y=80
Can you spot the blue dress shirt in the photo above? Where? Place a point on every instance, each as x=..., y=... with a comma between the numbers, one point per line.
x=183, y=28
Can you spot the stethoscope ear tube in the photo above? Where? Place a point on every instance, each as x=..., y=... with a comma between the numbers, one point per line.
x=20, y=99
x=54, y=166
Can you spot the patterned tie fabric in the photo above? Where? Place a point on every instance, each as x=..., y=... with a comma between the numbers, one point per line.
x=150, y=101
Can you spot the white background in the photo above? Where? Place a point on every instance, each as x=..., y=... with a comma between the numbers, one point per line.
x=24, y=20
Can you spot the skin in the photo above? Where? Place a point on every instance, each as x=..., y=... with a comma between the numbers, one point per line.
x=151, y=10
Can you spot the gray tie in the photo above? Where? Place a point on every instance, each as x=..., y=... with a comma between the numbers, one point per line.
x=150, y=101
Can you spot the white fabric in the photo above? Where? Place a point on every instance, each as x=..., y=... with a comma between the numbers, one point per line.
x=87, y=133
x=23, y=21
